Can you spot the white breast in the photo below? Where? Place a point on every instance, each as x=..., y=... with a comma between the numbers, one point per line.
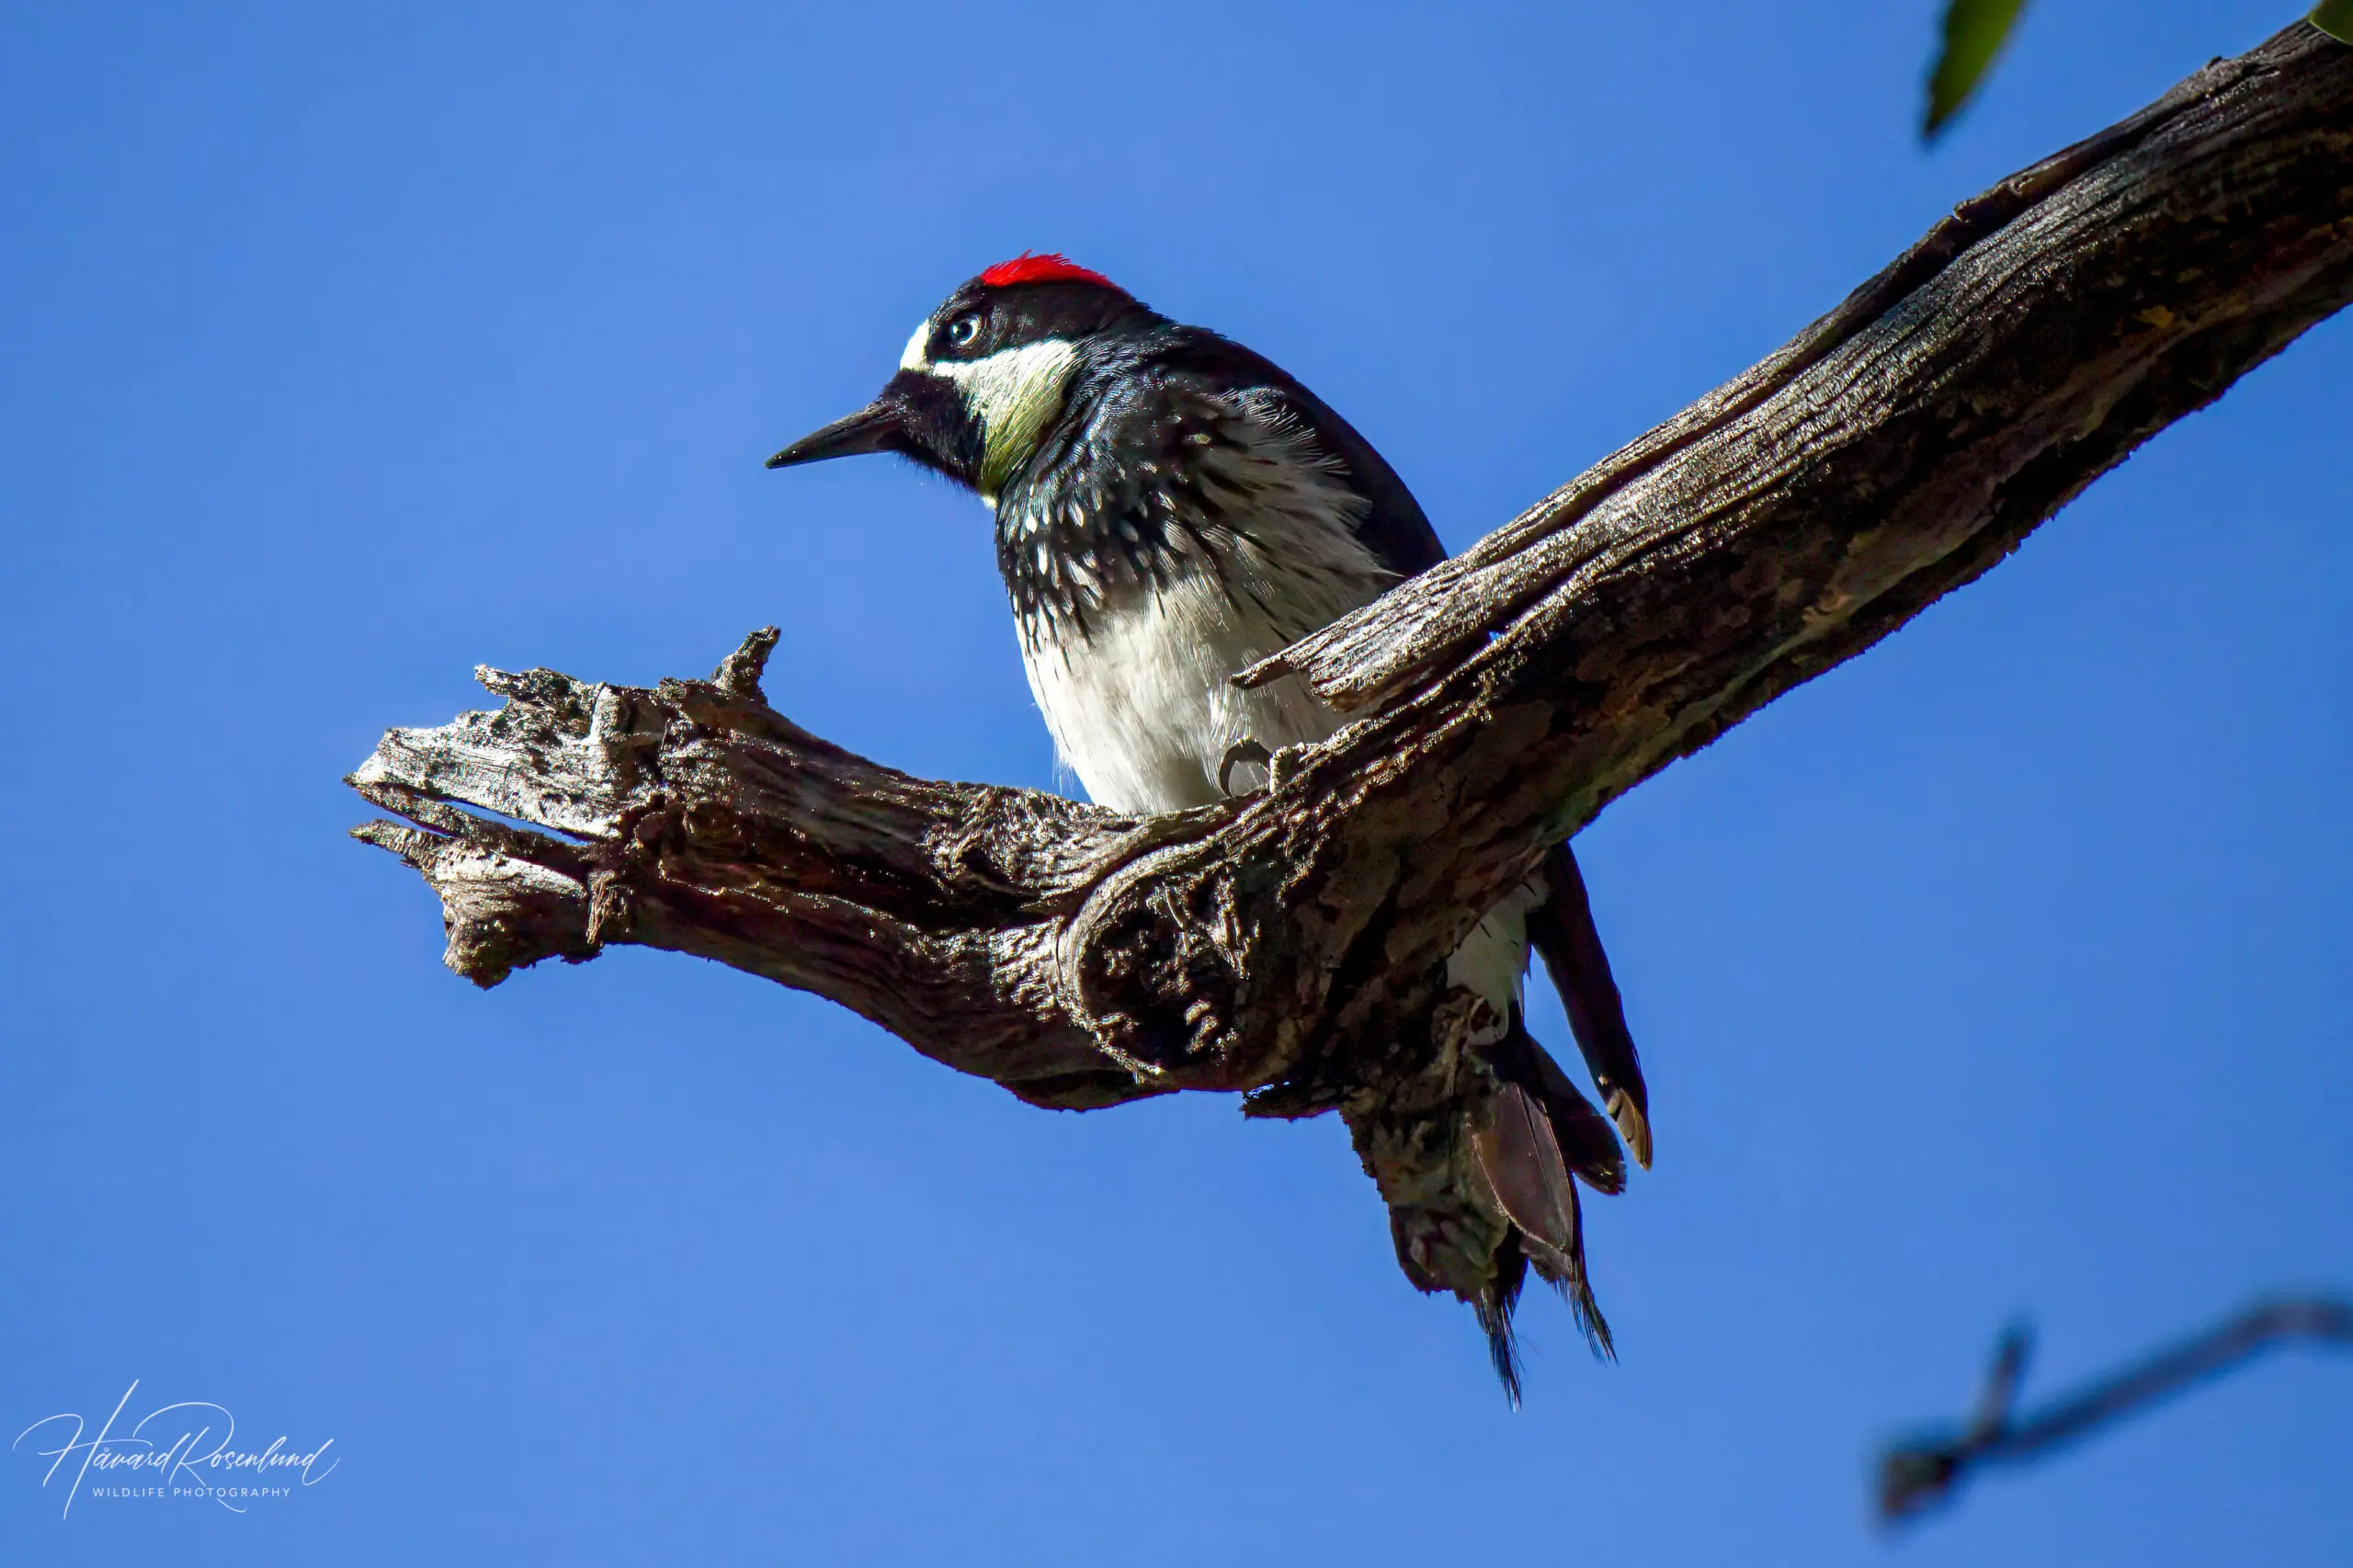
x=1143, y=710
x=1138, y=690
x=1141, y=701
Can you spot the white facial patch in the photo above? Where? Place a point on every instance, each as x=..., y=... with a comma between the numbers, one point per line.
x=914, y=359
x=1014, y=394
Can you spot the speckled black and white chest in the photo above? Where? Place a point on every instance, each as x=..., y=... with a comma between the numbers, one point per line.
x=1157, y=539
x=1138, y=599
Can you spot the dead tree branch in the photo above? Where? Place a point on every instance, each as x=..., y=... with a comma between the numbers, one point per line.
x=1925, y=1472
x=1290, y=944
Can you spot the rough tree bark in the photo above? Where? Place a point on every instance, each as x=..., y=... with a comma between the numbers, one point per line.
x=1290, y=944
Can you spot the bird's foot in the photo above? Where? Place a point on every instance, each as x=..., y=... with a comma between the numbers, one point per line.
x=1245, y=750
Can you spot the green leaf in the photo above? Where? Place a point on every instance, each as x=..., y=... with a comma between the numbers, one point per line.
x=1975, y=32
x=2334, y=17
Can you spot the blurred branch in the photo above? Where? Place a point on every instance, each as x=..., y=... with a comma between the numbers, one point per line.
x=1925, y=1472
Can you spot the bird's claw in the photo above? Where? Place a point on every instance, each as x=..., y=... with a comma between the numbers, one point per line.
x=1242, y=751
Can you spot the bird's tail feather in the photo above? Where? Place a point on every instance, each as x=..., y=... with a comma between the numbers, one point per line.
x=1494, y=1306
x=1537, y=1132
x=1480, y=1175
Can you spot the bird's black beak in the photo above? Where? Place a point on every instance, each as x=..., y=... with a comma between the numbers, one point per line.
x=880, y=426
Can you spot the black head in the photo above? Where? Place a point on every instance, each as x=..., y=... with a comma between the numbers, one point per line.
x=982, y=378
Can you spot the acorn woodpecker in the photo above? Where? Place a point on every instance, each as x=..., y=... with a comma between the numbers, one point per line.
x=1170, y=509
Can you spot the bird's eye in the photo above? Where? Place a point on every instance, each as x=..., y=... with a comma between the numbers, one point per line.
x=962, y=330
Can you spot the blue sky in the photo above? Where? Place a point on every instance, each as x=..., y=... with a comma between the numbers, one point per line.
x=1997, y=972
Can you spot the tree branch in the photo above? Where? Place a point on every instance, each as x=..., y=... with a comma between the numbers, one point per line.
x=1925, y=1472
x=1290, y=943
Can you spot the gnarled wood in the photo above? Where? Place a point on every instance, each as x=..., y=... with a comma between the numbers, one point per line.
x=1289, y=943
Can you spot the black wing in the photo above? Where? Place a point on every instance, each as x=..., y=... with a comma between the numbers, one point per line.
x=1562, y=929
x=1394, y=527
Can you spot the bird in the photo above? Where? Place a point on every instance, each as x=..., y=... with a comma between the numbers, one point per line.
x=1171, y=508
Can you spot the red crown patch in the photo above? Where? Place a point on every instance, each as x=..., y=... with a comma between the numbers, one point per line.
x=1051, y=267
